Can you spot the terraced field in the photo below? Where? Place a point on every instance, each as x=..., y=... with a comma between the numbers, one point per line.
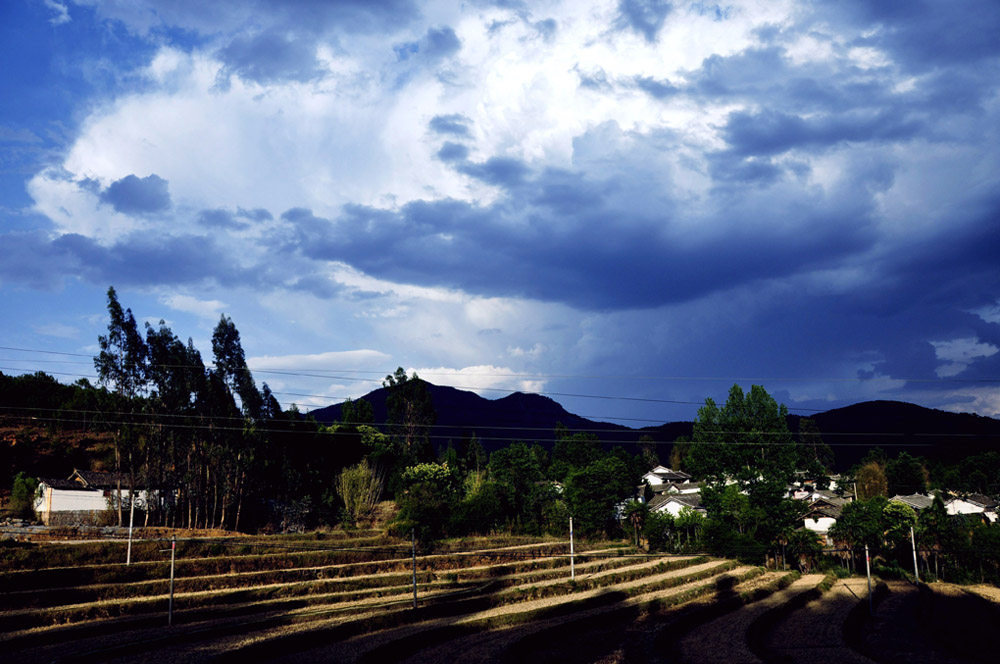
x=349, y=597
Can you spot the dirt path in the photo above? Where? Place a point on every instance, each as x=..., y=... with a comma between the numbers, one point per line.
x=723, y=641
x=814, y=633
x=895, y=634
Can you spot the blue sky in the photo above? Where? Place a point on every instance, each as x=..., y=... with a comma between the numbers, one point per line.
x=632, y=201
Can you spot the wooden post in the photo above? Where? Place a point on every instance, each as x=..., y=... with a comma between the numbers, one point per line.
x=572, y=559
x=913, y=542
x=170, y=605
x=131, y=520
x=868, y=570
x=413, y=545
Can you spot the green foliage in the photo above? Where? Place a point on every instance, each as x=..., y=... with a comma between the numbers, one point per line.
x=815, y=456
x=357, y=412
x=22, y=497
x=745, y=443
x=659, y=531
x=635, y=514
x=410, y=413
x=594, y=491
x=573, y=452
x=861, y=522
x=360, y=488
x=804, y=548
x=518, y=470
x=905, y=475
x=871, y=481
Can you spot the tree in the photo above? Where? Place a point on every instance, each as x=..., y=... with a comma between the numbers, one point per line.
x=647, y=450
x=573, y=452
x=747, y=443
x=518, y=470
x=410, y=412
x=22, y=497
x=905, y=475
x=594, y=492
x=231, y=364
x=122, y=364
x=357, y=412
x=360, y=488
x=815, y=456
x=871, y=481
x=636, y=513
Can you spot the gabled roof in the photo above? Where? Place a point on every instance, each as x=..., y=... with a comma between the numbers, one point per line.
x=668, y=475
x=917, y=501
x=65, y=485
x=823, y=509
x=692, y=500
x=978, y=499
x=99, y=479
x=832, y=501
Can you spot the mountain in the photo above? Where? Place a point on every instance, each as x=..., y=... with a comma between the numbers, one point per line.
x=851, y=431
x=495, y=422
x=896, y=426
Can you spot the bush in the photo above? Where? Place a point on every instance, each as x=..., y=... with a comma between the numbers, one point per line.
x=22, y=497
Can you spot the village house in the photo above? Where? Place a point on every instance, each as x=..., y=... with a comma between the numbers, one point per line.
x=88, y=497
x=661, y=476
x=918, y=501
x=973, y=503
x=673, y=503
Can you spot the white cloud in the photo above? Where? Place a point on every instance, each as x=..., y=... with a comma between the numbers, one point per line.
x=958, y=354
x=60, y=13
x=57, y=330
x=485, y=380
x=328, y=362
x=192, y=305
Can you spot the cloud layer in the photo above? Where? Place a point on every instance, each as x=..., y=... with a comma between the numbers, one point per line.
x=793, y=190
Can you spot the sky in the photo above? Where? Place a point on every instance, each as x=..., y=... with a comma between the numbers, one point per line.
x=627, y=205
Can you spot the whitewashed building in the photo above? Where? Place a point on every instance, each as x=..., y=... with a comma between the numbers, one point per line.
x=973, y=504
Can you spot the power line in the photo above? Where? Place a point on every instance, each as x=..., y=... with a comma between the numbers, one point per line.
x=321, y=373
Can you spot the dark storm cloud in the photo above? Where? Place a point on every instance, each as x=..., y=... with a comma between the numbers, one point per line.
x=224, y=16
x=643, y=16
x=771, y=132
x=220, y=218
x=922, y=34
x=256, y=214
x=28, y=258
x=437, y=44
x=38, y=260
x=271, y=56
x=138, y=196
x=563, y=237
x=228, y=220
x=656, y=88
x=454, y=124
x=453, y=152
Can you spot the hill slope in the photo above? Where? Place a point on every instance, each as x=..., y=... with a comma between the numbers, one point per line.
x=851, y=431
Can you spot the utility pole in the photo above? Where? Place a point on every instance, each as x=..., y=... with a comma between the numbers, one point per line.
x=913, y=543
x=413, y=548
x=170, y=604
x=868, y=570
x=572, y=559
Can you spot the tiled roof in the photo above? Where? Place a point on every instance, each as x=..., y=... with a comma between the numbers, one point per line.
x=62, y=484
x=979, y=499
x=917, y=501
x=99, y=479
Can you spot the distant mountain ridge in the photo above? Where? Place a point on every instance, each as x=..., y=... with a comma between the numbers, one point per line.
x=851, y=431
